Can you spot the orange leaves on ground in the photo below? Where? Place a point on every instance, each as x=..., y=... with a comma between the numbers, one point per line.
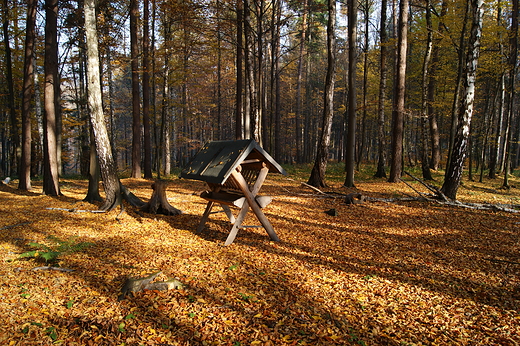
x=378, y=273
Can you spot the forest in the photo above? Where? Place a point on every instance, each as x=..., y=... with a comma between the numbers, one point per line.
x=407, y=83
x=396, y=120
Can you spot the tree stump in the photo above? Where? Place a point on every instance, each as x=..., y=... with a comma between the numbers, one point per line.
x=158, y=203
x=354, y=198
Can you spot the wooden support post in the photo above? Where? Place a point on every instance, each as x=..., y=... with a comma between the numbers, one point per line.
x=239, y=179
x=205, y=216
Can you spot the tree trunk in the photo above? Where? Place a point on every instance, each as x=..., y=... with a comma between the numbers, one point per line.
x=381, y=158
x=276, y=75
x=158, y=203
x=15, y=138
x=455, y=168
x=513, y=46
x=317, y=178
x=239, y=56
x=136, y=109
x=93, y=174
x=350, y=144
x=258, y=111
x=146, y=92
x=458, y=86
x=250, y=101
x=425, y=163
x=399, y=95
x=432, y=116
x=107, y=164
x=50, y=162
x=28, y=90
x=362, y=140
x=299, y=78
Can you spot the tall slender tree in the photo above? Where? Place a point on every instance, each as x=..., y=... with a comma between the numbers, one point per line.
x=425, y=162
x=28, y=91
x=107, y=164
x=136, y=108
x=239, y=73
x=399, y=94
x=381, y=140
x=453, y=174
x=513, y=58
x=50, y=162
x=317, y=178
x=351, y=114
x=15, y=138
x=147, y=142
x=299, y=81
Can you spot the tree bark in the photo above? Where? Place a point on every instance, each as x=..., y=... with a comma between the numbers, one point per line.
x=317, y=178
x=350, y=152
x=15, y=138
x=107, y=164
x=239, y=73
x=434, y=127
x=50, y=161
x=513, y=47
x=425, y=163
x=146, y=92
x=399, y=96
x=299, y=78
x=460, y=70
x=362, y=140
x=250, y=90
x=158, y=203
x=93, y=174
x=381, y=157
x=28, y=90
x=136, y=109
x=454, y=173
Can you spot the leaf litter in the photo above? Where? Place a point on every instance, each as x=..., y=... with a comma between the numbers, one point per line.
x=378, y=273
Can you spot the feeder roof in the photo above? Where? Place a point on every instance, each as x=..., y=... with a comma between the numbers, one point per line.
x=217, y=159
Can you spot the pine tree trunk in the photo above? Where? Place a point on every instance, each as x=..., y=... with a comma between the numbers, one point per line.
x=107, y=165
x=299, y=78
x=381, y=157
x=28, y=90
x=350, y=145
x=136, y=109
x=425, y=163
x=239, y=73
x=147, y=142
x=513, y=46
x=50, y=162
x=399, y=95
x=317, y=178
x=15, y=138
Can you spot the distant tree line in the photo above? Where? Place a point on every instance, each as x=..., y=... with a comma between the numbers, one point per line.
x=393, y=83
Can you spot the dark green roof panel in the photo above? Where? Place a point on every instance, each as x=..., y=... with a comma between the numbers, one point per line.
x=217, y=159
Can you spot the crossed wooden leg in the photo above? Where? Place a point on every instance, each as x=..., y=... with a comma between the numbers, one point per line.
x=249, y=203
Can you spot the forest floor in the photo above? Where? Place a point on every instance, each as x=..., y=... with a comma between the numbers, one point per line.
x=378, y=273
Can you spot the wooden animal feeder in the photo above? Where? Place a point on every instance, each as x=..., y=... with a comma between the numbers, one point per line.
x=234, y=172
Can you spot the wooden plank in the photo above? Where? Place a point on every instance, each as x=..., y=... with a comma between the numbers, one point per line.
x=205, y=216
x=234, y=200
x=252, y=202
x=238, y=222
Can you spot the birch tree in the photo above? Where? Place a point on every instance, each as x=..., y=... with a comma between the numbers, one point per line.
x=453, y=175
